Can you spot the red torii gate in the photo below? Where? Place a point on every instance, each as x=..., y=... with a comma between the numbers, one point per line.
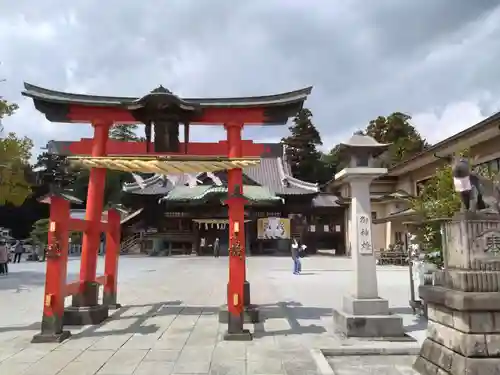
x=165, y=112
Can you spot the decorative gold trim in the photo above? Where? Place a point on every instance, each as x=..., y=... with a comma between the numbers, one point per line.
x=163, y=165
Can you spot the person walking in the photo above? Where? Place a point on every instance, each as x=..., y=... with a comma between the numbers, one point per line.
x=4, y=258
x=18, y=251
x=216, y=247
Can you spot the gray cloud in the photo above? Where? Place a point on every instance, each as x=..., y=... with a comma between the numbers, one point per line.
x=434, y=59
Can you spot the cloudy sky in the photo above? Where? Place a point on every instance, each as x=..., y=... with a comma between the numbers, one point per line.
x=437, y=60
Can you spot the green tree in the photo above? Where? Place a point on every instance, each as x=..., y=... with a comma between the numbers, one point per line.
x=39, y=233
x=124, y=132
x=6, y=108
x=396, y=129
x=53, y=171
x=112, y=191
x=15, y=153
x=301, y=148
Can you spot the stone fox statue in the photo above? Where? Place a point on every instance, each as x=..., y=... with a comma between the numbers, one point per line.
x=476, y=192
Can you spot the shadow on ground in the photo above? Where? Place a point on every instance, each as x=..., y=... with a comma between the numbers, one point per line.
x=294, y=313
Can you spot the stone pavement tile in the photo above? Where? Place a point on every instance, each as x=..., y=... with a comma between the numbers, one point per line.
x=52, y=363
x=7, y=353
x=191, y=367
x=111, y=342
x=162, y=355
x=140, y=342
x=295, y=367
x=9, y=367
x=290, y=342
x=228, y=367
x=256, y=353
x=154, y=368
x=229, y=350
x=276, y=324
x=267, y=366
x=123, y=362
x=95, y=356
x=405, y=370
x=197, y=353
x=202, y=339
x=172, y=341
x=194, y=360
x=78, y=343
x=31, y=354
x=80, y=368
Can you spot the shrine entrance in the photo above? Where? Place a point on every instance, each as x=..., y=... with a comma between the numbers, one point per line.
x=164, y=112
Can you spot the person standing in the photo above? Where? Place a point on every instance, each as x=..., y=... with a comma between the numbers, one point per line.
x=296, y=257
x=4, y=258
x=18, y=251
x=216, y=247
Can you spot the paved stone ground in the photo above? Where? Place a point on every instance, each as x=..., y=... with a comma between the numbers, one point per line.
x=373, y=365
x=168, y=324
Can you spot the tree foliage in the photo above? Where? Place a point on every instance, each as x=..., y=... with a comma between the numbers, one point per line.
x=15, y=153
x=7, y=108
x=40, y=233
x=113, y=190
x=397, y=130
x=54, y=172
x=124, y=132
x=301, y=148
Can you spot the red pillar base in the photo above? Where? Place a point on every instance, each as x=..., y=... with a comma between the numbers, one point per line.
x=51, y=331
x=109, y=299
x=235, y=330
x=251, y=313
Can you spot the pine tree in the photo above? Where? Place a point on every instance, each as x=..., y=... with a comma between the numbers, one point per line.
x=301, y=148
x=124, y=132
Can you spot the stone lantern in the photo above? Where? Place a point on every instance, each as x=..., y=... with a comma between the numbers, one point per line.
x=363, y=312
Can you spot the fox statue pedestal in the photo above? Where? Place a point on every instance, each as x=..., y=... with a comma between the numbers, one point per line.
x=463, y=335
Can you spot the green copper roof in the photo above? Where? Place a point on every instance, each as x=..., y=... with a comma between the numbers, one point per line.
x=185, y=193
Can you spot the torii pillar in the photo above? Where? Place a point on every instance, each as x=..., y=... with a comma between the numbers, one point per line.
x=236, y=212
x=85, y=307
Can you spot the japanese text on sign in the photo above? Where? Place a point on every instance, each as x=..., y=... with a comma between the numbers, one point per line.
x=364, y=235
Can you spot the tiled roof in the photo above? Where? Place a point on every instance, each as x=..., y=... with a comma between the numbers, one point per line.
x=272, y=173
x=155, y=185
x=185, y=193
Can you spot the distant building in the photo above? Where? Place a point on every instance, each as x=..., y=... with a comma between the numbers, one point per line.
x=185, y=213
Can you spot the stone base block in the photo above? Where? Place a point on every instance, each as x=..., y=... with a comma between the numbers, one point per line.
x=244, y=335
x=251, y=314
x=372, y=306
x=380, y=326
x=436, y=359
x=114, y=306
x=79, y=316
x=46, y=337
